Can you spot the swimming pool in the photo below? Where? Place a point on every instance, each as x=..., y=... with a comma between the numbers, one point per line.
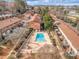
x=40, y=37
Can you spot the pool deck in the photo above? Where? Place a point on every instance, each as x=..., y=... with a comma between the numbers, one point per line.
x=47, y=39
x=37, y=45
x=34, y=46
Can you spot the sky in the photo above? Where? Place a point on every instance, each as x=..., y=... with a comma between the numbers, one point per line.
x=50, y=2
x=53, y=2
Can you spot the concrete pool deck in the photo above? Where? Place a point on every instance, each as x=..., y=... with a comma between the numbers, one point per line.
x=34, y=46
x=46, y=36
x=37, y=45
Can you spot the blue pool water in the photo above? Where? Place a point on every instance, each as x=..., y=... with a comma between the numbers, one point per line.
x=40, y=37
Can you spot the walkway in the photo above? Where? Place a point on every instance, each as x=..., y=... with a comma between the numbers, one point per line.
x=61, y=52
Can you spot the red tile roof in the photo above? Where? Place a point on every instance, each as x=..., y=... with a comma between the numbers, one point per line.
x=8, y=22
x=69, y=32
x=35, y=22
x=72, y=35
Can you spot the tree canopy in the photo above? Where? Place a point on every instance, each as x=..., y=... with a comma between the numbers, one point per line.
x=47, y=22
